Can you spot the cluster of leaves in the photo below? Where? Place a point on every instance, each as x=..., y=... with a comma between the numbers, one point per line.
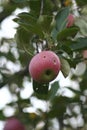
x=34, y=28
x=46, y=21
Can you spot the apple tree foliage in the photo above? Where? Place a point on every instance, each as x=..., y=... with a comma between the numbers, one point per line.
x=43, y=27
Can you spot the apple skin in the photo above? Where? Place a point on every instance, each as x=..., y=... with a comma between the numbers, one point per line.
x=13, y=124
x=70, y=20
x=84, y=54
x=67, y=2
x=44, y=66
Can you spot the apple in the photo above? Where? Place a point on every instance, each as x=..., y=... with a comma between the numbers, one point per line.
x=13, y=124
x=84, y=54
x=70, y=20
x=67, y=2
x=44, y=66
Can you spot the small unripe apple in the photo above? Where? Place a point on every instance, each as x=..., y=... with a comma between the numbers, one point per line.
x=70, y=20
x=13, y=124
x=44, y=66
x=67, y=2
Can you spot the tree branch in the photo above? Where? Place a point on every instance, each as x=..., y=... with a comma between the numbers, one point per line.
x=15, y=77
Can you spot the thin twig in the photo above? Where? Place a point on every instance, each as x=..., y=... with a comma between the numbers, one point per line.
x=16, y=75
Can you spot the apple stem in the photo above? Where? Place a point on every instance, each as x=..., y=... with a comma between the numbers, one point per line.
x=37, y=50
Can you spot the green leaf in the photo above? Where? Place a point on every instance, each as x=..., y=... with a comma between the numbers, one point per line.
x=79, y=44
x=23, y=39
x=48, y=7
x=83, y=83
x=65, y=47
x=82, y=24
x=74, y=91
x=59, y=105
x=26, y=17
x=53, y=90
x=45, y=22
x=40, y=88
x=35, y=6
x=54, y=33
x=61, y=21
x=67, y=32
x=25, y=58
x=2, y=117
x=34, y=29
x=19, y=1
x=29, y=23
x=65, y=67
x=81, y=2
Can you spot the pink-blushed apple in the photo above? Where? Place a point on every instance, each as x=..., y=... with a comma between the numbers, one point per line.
x=13, y=124
x=44, y=66
x=70, y=21
x=84, y=54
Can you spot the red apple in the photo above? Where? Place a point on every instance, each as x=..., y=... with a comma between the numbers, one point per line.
x=13, y=124
x=70, y=20
x=44, y=66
